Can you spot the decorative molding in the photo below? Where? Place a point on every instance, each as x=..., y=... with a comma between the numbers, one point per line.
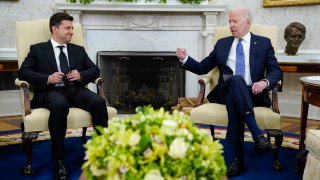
x=142, y=22
x=8, y=54
x=104, y=7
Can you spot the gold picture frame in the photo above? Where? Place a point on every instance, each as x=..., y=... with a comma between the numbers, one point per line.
x=282, y=3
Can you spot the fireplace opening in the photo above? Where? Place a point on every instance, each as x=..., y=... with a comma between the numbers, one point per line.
x=135, y=79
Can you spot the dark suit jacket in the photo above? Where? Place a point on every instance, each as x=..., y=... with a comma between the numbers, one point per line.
x=41, y=62
x=263, y=63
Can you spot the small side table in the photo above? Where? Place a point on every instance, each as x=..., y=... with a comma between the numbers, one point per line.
x=310, y=95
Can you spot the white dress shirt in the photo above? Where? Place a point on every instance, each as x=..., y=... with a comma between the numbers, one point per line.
x=231, y=62
x=56, y=51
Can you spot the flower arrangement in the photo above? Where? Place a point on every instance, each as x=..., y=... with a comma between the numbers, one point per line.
x=160, y=1
x=153, y=144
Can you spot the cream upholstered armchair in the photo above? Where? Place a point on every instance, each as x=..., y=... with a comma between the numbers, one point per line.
x=216, y=114
x=36, y=120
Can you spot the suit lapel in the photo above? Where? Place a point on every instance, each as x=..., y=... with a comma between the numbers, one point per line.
x=228, y=45
x=253, y=50
x=71, y=55
x=50, y=55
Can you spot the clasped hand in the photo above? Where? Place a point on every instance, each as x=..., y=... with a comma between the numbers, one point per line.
x=258, y=87
x=57, y=77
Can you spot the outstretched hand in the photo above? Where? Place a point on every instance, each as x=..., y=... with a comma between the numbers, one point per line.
x=181, y=53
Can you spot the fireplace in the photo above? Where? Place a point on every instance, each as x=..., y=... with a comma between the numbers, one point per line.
x=135, y=79
x=145, y=29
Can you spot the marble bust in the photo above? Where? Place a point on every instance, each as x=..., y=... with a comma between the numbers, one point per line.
x=294, y=35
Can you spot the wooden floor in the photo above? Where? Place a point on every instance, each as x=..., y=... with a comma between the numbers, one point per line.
x=291, y=125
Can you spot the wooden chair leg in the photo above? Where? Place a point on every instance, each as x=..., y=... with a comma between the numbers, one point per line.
x=278, y=136
x=84, y=132
x=212, y=131
x=27, y=138
x=27, y=147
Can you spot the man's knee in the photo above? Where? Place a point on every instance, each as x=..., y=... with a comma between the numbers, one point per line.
x=59, y=105
x=99, y=101
x=238, y=81
x=237, y=78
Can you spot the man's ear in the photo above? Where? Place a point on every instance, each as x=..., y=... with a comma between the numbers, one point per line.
x=54, y=28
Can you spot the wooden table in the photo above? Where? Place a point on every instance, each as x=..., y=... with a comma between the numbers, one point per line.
x=7, y=66
x=310, y=95
x=300, y=67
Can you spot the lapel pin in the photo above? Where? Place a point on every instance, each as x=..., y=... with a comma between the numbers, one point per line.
x=255, y=43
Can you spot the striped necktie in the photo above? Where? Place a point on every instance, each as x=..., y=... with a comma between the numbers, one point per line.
x=240, y=63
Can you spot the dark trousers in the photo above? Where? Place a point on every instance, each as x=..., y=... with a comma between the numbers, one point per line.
x=58, y=100
x=239, y=100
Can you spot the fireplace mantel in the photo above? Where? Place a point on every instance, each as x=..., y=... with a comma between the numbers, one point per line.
x=166, y=8
x=209, y=11
x=147, y=27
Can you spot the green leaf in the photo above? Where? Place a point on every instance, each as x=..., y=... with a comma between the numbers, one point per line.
x=145, y=141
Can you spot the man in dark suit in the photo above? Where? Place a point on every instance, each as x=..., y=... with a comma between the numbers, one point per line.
x=248, y=69
x=59, y=71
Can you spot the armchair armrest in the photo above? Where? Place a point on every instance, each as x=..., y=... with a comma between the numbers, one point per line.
x=100, y=91
x=202, y=82
x=274, y=98
x=24, y=86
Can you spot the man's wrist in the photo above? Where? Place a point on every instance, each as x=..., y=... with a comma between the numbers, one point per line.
x=48, y=82
x=183, y=61
x=266, y=80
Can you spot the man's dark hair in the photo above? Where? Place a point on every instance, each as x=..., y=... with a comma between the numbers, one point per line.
x=57, y=18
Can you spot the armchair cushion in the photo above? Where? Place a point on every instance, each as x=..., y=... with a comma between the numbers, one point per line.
x=312, y=167
x=77, y=118
x=216, y=114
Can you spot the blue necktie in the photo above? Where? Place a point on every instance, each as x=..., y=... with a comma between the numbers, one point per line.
x=240, y=64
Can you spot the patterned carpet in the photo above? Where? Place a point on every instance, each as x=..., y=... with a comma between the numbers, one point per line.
x=14, y=137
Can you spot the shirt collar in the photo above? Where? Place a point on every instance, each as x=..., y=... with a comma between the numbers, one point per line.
x=245, y=38
x=55, y=44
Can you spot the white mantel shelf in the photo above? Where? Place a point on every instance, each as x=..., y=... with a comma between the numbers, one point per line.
x=208, y=8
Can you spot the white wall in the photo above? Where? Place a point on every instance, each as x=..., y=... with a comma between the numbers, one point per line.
x=281, y=16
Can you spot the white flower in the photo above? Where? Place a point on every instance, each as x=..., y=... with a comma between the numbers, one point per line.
x=134, y=139
x=114, y=177
x=168, y=127
x=182, y=132
x=169, y=124
x=153, y=174
x=123, y=169
x=178, y=148
x=183, y=177
x=185, y=133
x=96, y=171
x=205, y=163
x=148, y=152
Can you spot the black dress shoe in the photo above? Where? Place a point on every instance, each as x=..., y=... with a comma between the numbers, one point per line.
x=262, y=144
x=235, y=168
x=60, y=171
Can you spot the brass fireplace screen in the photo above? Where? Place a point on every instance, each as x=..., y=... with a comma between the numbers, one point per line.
x=141, y=78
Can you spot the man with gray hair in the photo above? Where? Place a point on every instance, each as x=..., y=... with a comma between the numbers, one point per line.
x=252, y=69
